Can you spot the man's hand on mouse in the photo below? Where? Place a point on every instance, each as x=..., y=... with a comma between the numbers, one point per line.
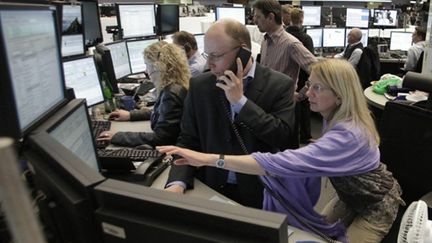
x=119, y=115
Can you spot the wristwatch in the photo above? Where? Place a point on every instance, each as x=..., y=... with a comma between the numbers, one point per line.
x=220, y=163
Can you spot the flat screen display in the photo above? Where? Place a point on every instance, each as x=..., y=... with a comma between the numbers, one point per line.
x=400, y=41
x=72, y=31
x=236, y=13
x=136, y=20
x=357, y=18
x=316, y=34
x=334, y=37
x=136, y=54
x=312, y=15
x=385, y=18
x=120, y=59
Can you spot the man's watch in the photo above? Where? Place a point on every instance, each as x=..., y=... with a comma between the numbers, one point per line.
x=220, y=163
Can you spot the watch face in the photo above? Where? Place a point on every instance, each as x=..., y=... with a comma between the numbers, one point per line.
x=220, y=163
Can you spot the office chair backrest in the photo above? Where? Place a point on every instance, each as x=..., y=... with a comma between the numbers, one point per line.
x=406, y=147
x=419, y=65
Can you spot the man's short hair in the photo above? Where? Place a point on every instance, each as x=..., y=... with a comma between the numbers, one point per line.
x=420, y=32
x=185, y=39
x=238, y=32
x=286, y=8
x=270, y=6
x=297, y=16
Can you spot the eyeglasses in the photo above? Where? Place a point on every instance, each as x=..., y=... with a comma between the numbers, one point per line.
x=217, y=57
x=317, y=88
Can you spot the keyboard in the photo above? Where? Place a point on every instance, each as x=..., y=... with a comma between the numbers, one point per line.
x=98, y=127
x=144, y=88
x=128, y=154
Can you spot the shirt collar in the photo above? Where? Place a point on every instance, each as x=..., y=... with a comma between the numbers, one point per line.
x=275, y=35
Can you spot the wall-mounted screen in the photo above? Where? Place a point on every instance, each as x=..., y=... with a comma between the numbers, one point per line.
x=312, y=15
x=357, y=17
x=385, y=18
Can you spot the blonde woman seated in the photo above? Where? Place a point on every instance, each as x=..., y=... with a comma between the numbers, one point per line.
x=168, y=69
x=347, y=153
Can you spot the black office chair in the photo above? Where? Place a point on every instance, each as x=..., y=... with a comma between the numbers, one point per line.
x=419, y=65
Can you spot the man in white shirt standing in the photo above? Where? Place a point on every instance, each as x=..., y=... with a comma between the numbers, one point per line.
x=419, y=43
x=354, y=49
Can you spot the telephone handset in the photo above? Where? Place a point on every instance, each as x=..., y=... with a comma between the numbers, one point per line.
x=244, y=54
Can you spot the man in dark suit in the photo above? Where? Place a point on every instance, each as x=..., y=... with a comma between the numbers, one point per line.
x=250, y=110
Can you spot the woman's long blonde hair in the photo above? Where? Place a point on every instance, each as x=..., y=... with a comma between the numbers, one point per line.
x=170, y=61
x=342, y=78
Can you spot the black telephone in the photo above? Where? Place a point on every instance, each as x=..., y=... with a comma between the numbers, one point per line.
x=244, y=54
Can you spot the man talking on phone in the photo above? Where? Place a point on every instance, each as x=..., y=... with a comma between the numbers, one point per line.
x=226, y=112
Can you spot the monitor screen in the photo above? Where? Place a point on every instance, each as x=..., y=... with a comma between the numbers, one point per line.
x=312, y=15
x=317, y=35
x=92, y=24
x=136, y=20
x=120, y=59
x=385, y=18
x=334, y=37
x=31, y=73
x=200, y=42
x=400, y=41
x=136, y=53
x=167, y=18
x=364, y=39
x=339, y=15
x=73, y=132
x=236, y=13
x=357, y=17
x=72, y=31
x=64, y=179
x=153, y=210
x=81, y=75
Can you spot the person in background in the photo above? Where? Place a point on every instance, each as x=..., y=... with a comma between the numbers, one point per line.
x=368, y=195
x=251, y=109
x=187, y=41
x=354, y=49
x=280, y=50
x=302, y=106
x=286, y=19
x=168, y=69
x=414, y=52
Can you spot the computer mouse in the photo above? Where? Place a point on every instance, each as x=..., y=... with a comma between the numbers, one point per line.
x=144, y=147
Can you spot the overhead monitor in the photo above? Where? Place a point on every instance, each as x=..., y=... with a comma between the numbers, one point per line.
x=364, y=39
x=357, y=17
x=136, y=20
x=167, y=18
x=200, y=42
x=334, y=37
x=339, y=16
x=317, y=35
x=400, y=41
x=312, y=15
x=136, y=53
x=237, y=13
x=81, y=75
x=62, y=156
x=91, y=21
x=385, y=18
x=120, y=59
x=31, y=74
x=72, y=36
x=151, y=217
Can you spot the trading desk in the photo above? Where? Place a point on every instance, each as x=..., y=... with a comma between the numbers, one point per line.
x=200, y=189
x=392, y=65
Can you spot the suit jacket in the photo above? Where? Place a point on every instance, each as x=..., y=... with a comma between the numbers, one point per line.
x=165, y=120
x=265, y=124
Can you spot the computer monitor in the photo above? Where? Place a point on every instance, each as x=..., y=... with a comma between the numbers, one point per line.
x=31, y=74
x=385, y=18
x=364, y=39
x=334, y=37
x=200, y=42
x=72, y=36
x=61, y=154
x=81, y=74
x=312, y=15
x=339, y=16
x=357, y=17
x=401, y=41
x=317, y=35
x=143, y=214
x=135, y=50
x=91, y=21
x=120, y=59
x=136, y=20
x=167, y=18
x=237, y=13
x=102, y=56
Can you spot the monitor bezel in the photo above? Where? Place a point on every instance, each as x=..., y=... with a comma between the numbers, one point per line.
x=136, y=40
x=117, y=9
x=97, y=72
x=8, y=104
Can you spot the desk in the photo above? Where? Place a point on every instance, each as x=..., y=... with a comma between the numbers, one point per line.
x=375, y=99
x=200, y=190
x=391, y=65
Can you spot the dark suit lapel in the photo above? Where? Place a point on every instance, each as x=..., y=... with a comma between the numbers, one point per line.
x=257, y=84
x=220, y=101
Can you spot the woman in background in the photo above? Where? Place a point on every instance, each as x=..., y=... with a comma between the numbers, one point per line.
x=368, y=195
x=168, y=69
